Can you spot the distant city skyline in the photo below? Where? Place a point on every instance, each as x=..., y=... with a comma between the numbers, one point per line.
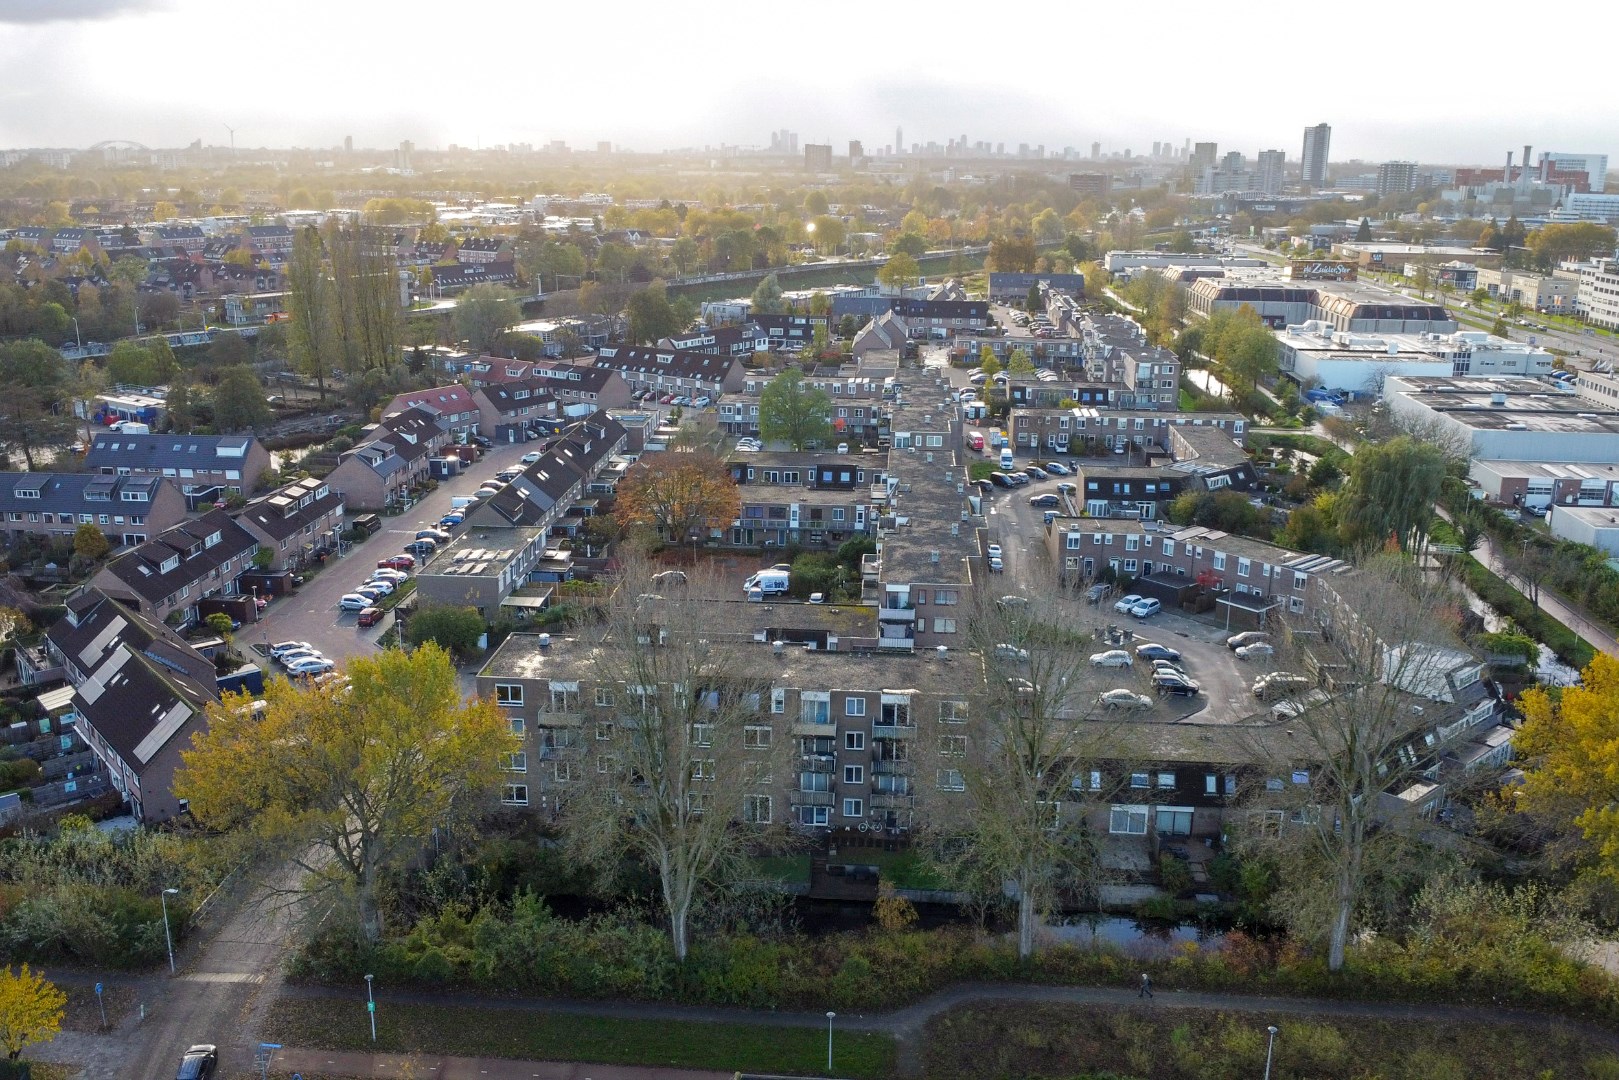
x=76, y=72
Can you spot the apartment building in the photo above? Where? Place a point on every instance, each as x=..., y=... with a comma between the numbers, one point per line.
x=814, y=499
x=204, y=466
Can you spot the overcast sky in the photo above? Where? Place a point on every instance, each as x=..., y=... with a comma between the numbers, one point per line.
x=1395, y=80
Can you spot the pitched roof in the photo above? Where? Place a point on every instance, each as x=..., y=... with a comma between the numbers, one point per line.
x=438, y=401
x=672, y=363
x=73, y=492
x=182, y=555
x=512, y=397
x=397, y=438
x=286, y=510
x=576, y=455
x=111, y=450
x=941, y=309
x=135, y=681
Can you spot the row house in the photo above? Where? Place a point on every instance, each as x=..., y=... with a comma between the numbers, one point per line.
x=483, y=249
x=1110, y=490
x=860, y=734
x=392, y=457
x=780, y=330
x=1210, y=459
x=739, y=341
x=188, y=238
x=273, y=243
x=140, y=695
x=1037, y=394
x=481, y=570
x=672, y=371
x=169, y=575
x=569, y=470
x=584, y=385
x=512, y=412
x=129, y=509
x=1253, y=580
x=1080, y=429
x=941, y=318
x=205, y=466
x=452, y=406
x=488, y=370
x=293, y=520
x=817, y=500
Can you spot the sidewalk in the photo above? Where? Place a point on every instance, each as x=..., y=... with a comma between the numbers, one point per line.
x=432, y=1067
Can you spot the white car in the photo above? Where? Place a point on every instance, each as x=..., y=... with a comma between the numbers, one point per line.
x=292, y=656
x=996, y=565
x=1256, y=651
x=385, y=574
x=701, y=403
x=1011, y=652
x=1147, y=608
x=354, y=602
x=993, y=551
x=382, y=583
x=1124, y=699
x=372, y=590
x=530, y=458
x=281, y=647
x=1111, y=658
x=1125, y=603
x=314, y=665
x=1249, y=637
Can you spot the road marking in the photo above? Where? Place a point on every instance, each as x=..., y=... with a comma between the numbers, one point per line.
x=221, y=977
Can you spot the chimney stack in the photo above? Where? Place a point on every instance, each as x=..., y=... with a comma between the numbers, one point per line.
x=1523, y=172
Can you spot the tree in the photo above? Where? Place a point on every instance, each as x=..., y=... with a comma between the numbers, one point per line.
x=767, y=297
x=31, y=1010
x=90, y=542
x=1530, y=563
x=1390, y=494
x=1570, y=758
x=366, y=312
x=651, y=315
x=239, y=403
x=682, y=779
x=792, y=412
x=1012, y=253
x=36, y=412
x=679, y=496
x=1364, y=232
x=1034, y=302
x=484, y=314
x=1016, y=783
x=454, y=629
x=1248, y=357
x=1327, y=821
x=221, y=624
x=360, y=771
x=311, y=342
x=899, y=271
x=136, y=365
x=1018, y=363
x=1554, y=244
x=909, y=244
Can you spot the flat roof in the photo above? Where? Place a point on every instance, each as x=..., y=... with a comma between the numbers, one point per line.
x=1575, y=470
x=480, y=553
x=1598, y=517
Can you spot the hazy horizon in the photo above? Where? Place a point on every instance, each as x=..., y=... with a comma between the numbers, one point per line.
x=486, y=72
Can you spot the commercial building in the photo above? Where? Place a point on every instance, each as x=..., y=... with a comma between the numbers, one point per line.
x=1536, y=485
x=1354, y=306
x=818, y=157
x=1317, y=354
x=1593, y=526
x=1596, y=299
x=1090, y=185
x=1270, y=171
x=1313, y=159
x=1558, y=291
x=1594, y=166
x=1508, y=419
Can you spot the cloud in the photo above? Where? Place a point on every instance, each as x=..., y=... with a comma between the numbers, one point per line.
x=48, y=11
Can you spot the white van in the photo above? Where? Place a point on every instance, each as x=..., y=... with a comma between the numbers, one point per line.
x=767, y=583
x=1007, y=461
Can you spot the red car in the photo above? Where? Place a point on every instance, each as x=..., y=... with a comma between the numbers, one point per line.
x=398, y=562
x=370, y=616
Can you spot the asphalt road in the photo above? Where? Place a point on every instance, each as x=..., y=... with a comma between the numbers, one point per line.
x=311, y=613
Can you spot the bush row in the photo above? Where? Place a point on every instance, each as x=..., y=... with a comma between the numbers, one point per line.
x=523, y=948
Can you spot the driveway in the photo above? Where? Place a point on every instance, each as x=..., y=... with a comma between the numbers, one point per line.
x=311, y=614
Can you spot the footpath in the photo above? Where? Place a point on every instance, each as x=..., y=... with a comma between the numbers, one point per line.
x=432, y=1067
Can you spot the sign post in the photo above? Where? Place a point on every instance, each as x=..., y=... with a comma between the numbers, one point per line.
x=102, y=1005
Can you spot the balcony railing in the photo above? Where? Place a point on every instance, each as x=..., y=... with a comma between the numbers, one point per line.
x=814, y=798
x=896, y=611
x=880, y=730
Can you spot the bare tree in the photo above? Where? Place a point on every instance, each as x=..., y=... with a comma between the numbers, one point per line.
x=684, y=777
x=1032, y=769
x=1353, y=744
x=1529, y=565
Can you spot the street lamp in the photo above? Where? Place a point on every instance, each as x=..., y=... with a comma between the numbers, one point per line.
x=830, y=1016
x=371, y=1009
x=76, y=336
x=1271, y=1045
x=163, y=898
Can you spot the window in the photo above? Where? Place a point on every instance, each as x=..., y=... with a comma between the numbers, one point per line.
x=951, y=780
x=1243, y=566
x=702, y=769
x=1174, y=820
x=1295, y=604
x=564, y=772
x=1073, y=542
x=1231, y=783
x=814, y=815
x=1128, y=820
x=756, y=809
x=944, y=626
x=516, y=725
x=515, y=795
x=815, y=708
x=953, y=745
x=702, y=734
x=854, y=774
x=1132, y=543
x=757, y=772
x=1166, y=779
x=778, y=701
x=814, y=781
x=756, y=736
x=604, y=698
x=854, y=807
x=1219, y=560
x=1211, y=784
x=952, y=712
x=508, y=693
x=1140, y=780
x=514, y=761
x=565, y=697
x=854, y=706
x=604, y=730
x=854, y=740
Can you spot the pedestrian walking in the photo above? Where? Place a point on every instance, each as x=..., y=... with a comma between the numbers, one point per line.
x=1146, y=986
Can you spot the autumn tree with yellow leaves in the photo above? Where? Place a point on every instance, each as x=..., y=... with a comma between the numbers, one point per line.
x=30, y=1010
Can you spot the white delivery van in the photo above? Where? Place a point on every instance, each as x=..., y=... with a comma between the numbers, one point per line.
x=767, y=583
x=1007, y=463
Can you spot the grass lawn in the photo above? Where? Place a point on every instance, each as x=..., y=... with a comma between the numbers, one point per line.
x=985, y=1042
x=1188, y=402
x=793, y=869
x=902, y=869
x=523, y=1035
x=980, y=470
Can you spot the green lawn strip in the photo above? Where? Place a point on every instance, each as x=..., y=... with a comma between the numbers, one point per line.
x=979, y=470
x=1508, y=601
x=393, y=599
x=902, y=869
x=793, y=869
x=999, y=1039
x=518, y=1034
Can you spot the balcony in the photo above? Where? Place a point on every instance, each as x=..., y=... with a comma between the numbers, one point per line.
x=870, y=565
x=814, y=798
x=905, y=640
x=882, y=730
x=883, y=800
x=890, y=767
x=815, y=724
x=896, y=607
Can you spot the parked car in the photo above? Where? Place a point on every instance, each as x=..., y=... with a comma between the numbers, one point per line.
x=281, y=647
x=1111, y=658
x=199, y=1062
x=1147, y=608
x=370, y=616
x=1125, y=603
x=1035, y=472
x=1167, y=682
x=1237, y=641
x=1150, y=651
x=993, y=551
x=432, y=534
x=452, y=519
x=1278, y=683
x=374, y=590
x=292, y=656
x=984, y=486
x=385, y=573
x=423, y=547
x=530, y=458
x=1000, y=479
x=1046, y=501
x=314, y=665
x=1010, y=652
x=1068, y=489
x=403, y=562
x=1006, y=602
x=1123, y=699
x=1018, y=479
x=1258, y=650
x=996, y=565
x=1057, y=468
x=483, y=441
x=387, y=585
x=354, y=601
x=1169, y=667
x=702, y=402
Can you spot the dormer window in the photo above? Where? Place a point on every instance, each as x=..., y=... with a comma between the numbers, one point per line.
x=213, y=538
x=171, y=563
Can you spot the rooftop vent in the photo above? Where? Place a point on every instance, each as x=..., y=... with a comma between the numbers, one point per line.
x=545, y=642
